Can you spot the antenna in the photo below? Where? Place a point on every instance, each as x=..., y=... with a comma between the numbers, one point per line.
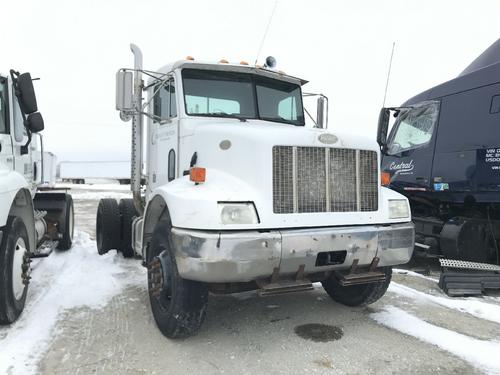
x=388, y=73
x=265, y=33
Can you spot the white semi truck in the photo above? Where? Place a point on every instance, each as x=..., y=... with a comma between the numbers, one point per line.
x=32, y=223
x=240, y=195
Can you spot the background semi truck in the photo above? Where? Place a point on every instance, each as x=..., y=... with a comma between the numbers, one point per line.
x=443, y=153
x=240, y=195
x=32, y=223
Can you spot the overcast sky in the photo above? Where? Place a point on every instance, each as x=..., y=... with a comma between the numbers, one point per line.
x=341, y=47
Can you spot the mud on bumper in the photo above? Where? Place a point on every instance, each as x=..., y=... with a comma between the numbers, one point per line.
x=218, y=257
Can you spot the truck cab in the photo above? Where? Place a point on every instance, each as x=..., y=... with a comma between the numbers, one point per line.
x=241, y=195
x=443, y=153
x=32, y=223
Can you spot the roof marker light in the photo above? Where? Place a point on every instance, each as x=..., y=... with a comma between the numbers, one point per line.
x=243, y=63
x=223, y=61
x=190, y=58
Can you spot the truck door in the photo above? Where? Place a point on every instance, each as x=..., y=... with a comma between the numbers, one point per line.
x=164, y=135
x=22, y=162
x=6, y=157
x=411, y=147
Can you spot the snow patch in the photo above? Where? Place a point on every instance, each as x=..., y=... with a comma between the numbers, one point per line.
x=415, y=274
x=479, y=353
x=66, y=280
x=474, y=307
x=99, y=187
x=94, y=195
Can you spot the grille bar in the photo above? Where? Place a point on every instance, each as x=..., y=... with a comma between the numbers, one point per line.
x=317, y=179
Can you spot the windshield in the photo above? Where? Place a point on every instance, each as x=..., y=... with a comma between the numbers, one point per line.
x=413, y=127
x=241, y=95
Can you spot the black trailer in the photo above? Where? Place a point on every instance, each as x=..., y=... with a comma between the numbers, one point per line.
x=443, y=153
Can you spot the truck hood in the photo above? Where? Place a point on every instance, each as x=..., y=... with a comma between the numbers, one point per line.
x=238, y=157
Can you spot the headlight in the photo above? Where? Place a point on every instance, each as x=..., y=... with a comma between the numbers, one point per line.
x=238, y=213
x=398, y=209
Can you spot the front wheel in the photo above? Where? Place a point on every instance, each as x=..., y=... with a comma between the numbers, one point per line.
x=178, y=305
x=358, y=295
x=14, y=270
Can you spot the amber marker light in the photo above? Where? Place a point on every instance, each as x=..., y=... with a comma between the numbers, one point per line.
x=243, y=63
x=190, y=58
x=385, y=178
x=223, y=61
x=197, y=174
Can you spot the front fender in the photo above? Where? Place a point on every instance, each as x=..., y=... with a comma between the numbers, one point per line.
x=195, y=206
x=11, y=183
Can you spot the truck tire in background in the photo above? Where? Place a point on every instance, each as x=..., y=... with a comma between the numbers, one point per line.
x=127, y=215
x=357, y=295
x=67, y=224
x=14, y=270
x=179, y=305
x=108, y=226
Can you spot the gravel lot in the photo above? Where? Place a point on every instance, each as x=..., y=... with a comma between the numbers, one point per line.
x=415, y=328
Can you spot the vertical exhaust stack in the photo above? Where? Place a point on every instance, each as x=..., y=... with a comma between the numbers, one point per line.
x=136, y=147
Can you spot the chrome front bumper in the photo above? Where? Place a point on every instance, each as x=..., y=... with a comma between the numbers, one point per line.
x=218, y=257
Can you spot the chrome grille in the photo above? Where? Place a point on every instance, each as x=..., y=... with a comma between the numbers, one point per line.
x=317, y=179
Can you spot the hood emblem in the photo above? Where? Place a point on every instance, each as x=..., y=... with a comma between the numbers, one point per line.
x=225, y=144
x=327, y=138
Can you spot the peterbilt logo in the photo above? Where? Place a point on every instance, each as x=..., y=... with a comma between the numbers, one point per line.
x=327, y=138
x=402, y=167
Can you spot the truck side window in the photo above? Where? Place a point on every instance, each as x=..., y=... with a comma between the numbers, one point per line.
x=3, y=106
x=414, y=127
x=164, y=103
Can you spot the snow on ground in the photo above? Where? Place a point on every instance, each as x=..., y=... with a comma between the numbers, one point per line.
x=415, y=274
x=96, y=191
x=64, y=281
x=96, y=195
x=470, y=305
x=98, y=187
x=482, y=354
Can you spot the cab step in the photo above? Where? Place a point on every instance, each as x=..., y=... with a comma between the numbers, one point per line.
x=462, y=278
x=44, y=250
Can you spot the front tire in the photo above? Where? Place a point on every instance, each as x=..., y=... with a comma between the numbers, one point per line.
x=178, y=305
x=357, y=295
x=14, y=270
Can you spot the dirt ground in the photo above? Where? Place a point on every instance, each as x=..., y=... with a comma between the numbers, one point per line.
x=247, y=334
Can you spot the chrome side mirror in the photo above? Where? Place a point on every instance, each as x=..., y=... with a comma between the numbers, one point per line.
x=125, y=94
x=322, y=112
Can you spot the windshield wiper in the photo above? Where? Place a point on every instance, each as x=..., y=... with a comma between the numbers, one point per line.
x=221, y=114
x=281, y=120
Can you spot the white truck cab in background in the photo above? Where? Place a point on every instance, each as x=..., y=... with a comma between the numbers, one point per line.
x=32, y=223
x=240, y=195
